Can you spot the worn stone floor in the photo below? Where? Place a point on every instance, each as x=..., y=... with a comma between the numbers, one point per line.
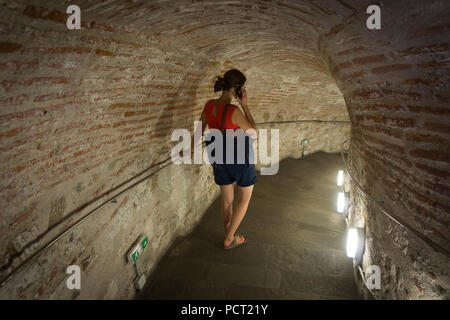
x=295, y=248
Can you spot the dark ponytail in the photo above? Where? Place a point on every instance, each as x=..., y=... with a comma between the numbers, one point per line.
x=220, y=84
x=230, y=79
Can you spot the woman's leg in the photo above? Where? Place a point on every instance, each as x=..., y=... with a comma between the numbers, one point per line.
x=244, y=195
x=227, y=204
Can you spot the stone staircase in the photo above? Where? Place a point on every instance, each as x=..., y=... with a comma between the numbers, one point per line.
x=295, y=249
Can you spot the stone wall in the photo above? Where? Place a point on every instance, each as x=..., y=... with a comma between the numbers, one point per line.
x=85, y=111
x=395, y=84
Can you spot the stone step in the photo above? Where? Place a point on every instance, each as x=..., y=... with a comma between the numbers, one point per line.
x=295, y=248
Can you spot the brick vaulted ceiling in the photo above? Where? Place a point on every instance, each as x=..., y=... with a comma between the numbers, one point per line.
x=274, y=43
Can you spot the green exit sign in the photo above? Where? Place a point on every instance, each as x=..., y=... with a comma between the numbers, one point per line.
x=305, y=141
x=135, y=256
x=144, y=243
x=137, y=248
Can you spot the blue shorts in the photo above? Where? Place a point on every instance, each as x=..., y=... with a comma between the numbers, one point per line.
x=244, y=175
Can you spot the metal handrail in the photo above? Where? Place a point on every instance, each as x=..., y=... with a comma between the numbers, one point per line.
x=392, y=216
x=38, y=252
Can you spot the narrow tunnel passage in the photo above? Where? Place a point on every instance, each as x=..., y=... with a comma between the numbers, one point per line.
x=87, y=115
x=296, y=247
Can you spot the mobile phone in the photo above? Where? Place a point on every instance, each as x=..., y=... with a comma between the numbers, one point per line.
x=239, y=91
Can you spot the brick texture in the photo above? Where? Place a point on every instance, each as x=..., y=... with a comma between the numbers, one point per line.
x=398, y=106
x=82, y=111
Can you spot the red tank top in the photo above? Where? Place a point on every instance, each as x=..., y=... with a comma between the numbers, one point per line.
x=216, y=122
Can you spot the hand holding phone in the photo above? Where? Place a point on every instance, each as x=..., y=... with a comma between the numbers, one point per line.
x=241, y=95
x=239, y=91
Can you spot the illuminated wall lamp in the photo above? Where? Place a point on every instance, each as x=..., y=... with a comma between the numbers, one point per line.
x=355, y=244
x=340, y=178
x=343, y=202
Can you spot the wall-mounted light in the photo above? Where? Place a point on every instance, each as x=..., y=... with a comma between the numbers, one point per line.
x=340, y=178
x=355, y=244
x=343, y=202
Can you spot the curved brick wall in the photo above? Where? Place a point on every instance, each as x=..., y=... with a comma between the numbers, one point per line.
x=85, y=110
x=395, y=84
